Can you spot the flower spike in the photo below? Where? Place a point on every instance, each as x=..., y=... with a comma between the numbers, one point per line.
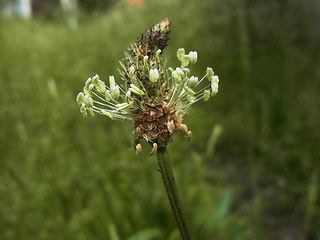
x=155, y=98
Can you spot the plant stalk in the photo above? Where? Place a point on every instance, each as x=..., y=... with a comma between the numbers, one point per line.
x=172, y=192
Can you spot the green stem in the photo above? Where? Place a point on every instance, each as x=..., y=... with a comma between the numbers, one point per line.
x=172, y=192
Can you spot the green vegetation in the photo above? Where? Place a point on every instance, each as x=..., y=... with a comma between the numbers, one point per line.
x=251, y=170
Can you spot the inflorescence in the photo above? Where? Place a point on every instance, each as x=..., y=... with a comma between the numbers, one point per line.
x=155, y=98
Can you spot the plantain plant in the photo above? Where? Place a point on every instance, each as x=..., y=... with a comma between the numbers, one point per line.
x=155, y=98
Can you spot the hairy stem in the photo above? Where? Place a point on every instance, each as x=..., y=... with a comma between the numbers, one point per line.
x=172, y=192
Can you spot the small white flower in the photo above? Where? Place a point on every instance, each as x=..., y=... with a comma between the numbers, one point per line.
x=80, y=98
x=214, y=88
x=112, y=81
x=210, y=73
x=153, y=75
x=98, y=84
x=177, y=74
x=214, y=84
x=193, y=56
x=181, y=54
x=182, y=57
x=86, y=88
x=215, y=79
x=192, y=81
x=88, y=101
x=85, y=99
x=95, y=77
x=131, y=70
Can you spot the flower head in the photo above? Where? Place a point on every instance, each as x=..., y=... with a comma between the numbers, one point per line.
x=155, y=98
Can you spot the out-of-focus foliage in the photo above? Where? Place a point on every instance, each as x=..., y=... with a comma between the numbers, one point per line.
x=251, y=170
x=95, y=5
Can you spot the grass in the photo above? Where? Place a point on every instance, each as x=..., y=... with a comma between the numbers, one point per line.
x=68, y=177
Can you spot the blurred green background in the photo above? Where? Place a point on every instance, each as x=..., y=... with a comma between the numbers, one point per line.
x=252, y=168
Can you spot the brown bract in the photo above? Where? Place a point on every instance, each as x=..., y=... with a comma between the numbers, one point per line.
x=157, y=122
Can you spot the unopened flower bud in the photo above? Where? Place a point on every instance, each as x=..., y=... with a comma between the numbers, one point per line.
x=153, y=75
x=182, y=57
x=122, y=106
x=134, y=89
x=114, y=89
x=181, y=54
x=131, y=70
x=193, y=56
x=145, y=60
x=158, y=55
x=112, y=81
x=115, y=92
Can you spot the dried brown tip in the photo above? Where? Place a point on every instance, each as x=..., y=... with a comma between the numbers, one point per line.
x=154, y=149
x=171, y=127
x=189, y=136
x=183, y=128
x=138, y=149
